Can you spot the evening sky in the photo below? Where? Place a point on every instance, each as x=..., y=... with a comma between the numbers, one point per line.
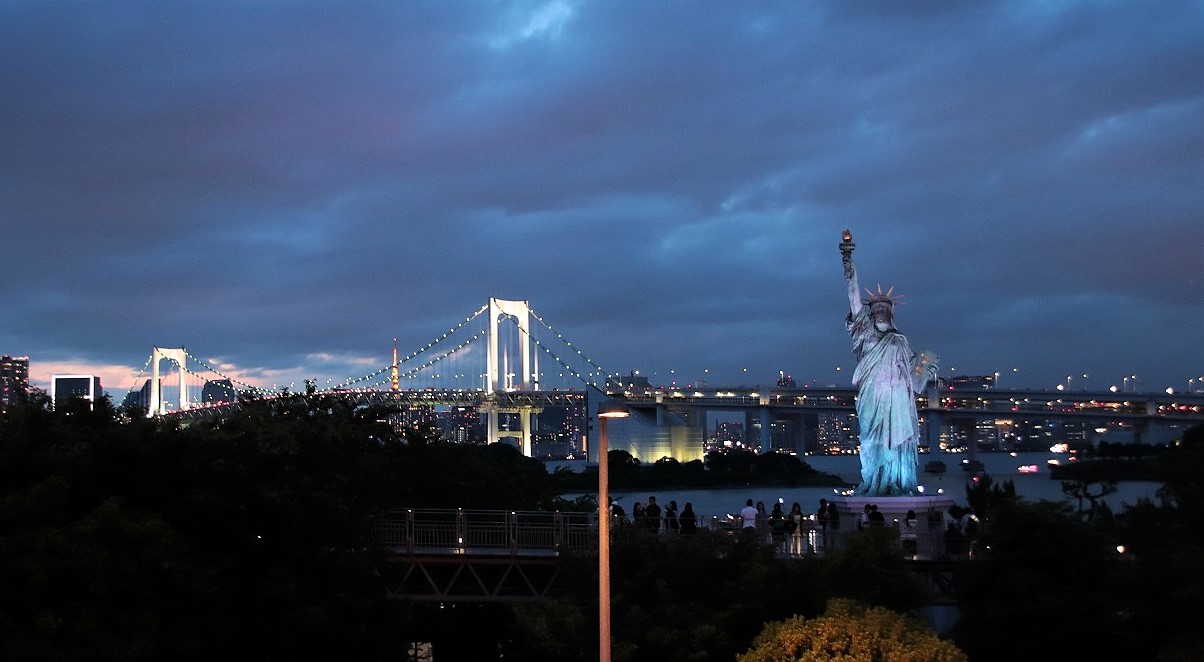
x=284, y=188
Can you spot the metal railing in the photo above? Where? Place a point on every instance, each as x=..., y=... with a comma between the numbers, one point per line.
x=459, y=531
x=493, y=532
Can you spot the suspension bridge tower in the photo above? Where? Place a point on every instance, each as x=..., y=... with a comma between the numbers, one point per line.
x=178, y=356
x=500, y=374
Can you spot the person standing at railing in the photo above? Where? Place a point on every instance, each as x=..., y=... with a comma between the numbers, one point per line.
x=761, y=522
x=777, y=528
x=748, y=519
x=909, y=534
x=652, y=516
x=671, y=522
x=688, y=520
x=833, y=531
x=795, y=526
x=822, y=517
x=617, y=514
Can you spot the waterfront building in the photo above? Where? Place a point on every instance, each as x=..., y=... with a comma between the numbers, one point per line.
x=14, y=379
x=65, y=387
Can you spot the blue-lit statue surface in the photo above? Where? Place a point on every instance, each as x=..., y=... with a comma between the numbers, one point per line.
x=888, y=377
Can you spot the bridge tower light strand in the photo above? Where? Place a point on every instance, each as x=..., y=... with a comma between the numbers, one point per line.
x=599, y=369
x=571, y=370
x=141, y=372
x=251, y=387
x=355, y=380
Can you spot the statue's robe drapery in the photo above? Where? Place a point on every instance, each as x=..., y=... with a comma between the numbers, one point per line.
x=886, y=408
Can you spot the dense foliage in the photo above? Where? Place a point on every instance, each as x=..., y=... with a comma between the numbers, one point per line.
x=705, y=597
x=850, y=631
x=134, y=539
x=1055, y=582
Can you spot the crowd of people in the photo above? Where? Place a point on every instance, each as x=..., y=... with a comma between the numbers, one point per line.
x=795, y=532
x=652, y=517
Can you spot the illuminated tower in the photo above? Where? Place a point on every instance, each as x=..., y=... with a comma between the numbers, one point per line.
x=501, y=379
x=395, y=373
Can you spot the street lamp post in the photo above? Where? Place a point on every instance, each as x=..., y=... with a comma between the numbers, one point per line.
x=606, y=411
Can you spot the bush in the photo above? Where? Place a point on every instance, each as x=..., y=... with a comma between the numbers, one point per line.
x=851, y=631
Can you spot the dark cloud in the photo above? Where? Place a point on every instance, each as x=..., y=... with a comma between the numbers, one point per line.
x=289, y=187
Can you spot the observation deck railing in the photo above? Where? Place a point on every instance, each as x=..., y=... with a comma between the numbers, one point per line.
x=484, y=532
x=462, y=532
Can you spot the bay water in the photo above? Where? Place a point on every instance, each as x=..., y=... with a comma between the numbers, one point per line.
x=722, y=502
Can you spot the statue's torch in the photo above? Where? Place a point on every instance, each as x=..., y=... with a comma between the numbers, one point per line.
x=846, y=246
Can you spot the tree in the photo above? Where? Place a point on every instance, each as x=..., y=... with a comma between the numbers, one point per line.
x=137, y=539
x=1183, y=468
x=985, y=495
x=1041, y=564
x=1081, y=489
x=851, y=632
x=1164, y=550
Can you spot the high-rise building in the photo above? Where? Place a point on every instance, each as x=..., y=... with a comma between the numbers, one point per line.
x=139, y=399
x=14, y=379
x=218, y=391
x=65, y=387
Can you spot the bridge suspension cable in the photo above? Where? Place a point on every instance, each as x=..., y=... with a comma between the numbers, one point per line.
x=138, y=377
x=572, y=371
x=593, y=376
x=219, y=373
x=347, y=383
x=412, y=372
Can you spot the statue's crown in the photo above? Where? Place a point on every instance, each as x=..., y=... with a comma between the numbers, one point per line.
x=888, y=297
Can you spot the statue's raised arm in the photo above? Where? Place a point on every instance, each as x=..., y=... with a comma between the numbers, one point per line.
x=850, y=271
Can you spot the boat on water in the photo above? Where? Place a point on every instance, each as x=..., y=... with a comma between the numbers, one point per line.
x=934, y=467
x=973, y=466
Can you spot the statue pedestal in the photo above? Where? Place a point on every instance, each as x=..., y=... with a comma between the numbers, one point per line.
x=924, y=541
x=891, y=507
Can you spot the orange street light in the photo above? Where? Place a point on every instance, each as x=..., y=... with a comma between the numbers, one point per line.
x=606, y=411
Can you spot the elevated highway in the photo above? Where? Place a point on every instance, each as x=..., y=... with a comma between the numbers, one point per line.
x=938, y=406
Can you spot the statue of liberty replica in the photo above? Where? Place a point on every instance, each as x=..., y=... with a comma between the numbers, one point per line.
x=888, y=377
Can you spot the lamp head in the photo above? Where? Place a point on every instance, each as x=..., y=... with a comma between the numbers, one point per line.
x=613, y=409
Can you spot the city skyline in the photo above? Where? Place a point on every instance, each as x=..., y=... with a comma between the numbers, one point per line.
x=286, y=189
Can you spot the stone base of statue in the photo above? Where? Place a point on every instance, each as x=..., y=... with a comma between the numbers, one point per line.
x=923, y=541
